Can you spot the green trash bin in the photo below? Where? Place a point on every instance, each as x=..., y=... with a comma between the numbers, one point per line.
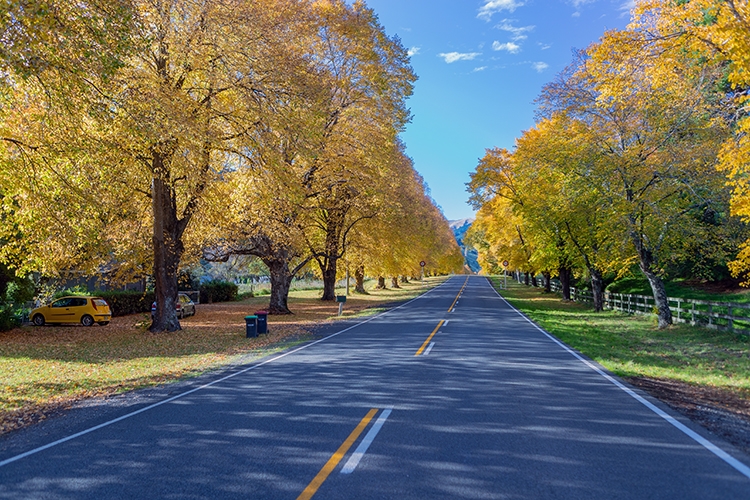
x=251, y=326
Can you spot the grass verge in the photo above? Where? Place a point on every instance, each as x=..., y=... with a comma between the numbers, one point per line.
x=46, y=369
x=632, y=346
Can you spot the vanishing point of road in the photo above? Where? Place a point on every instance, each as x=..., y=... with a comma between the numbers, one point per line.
x=451, y=395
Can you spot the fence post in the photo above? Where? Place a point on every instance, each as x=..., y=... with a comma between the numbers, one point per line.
x=730, y=321
x=692, y=314
x=710, y=314
x=678, y=310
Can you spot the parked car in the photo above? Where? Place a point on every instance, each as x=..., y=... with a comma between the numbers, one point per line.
x=73, y=309
x=185, y=306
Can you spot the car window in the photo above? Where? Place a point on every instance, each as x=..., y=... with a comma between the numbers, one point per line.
x=100, y=302
x=62, y=302
x=78, y=302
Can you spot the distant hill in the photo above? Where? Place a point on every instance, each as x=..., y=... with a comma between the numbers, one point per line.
x=459, y=228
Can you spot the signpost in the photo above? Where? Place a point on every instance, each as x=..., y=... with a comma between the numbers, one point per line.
x=422, y=264
x=505, y=274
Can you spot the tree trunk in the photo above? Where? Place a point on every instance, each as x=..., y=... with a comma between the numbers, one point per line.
x=329, y=278
x=359, y=279
x=646, y=262
x=168, y=250
x=597, y=288
x=533, y=280
x=394, y=282
x=281, y=282
x=381, y=283
x=527, y=278
x=566, y=275
x=404, y=279
x=547, y=281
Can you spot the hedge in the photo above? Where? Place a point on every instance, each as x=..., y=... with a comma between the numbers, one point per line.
x=218, y=291
x=127, y=302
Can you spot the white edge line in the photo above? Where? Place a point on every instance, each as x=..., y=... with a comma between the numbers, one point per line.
x=445, y=322
x=726, y=457
x=353, y=461
x=186, y=393
x=429, y=348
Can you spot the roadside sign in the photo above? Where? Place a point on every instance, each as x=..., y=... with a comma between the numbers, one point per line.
x=422, y=263
x=505, y=263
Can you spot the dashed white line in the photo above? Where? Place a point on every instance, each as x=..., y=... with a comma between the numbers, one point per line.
x=429, y=348
x=353, y=461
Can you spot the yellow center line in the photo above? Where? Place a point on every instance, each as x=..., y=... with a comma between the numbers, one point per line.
x=336, y=457
x=421, y=349
x=458, y=295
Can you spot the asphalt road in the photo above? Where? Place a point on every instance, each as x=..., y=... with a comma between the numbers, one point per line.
x=452, y=395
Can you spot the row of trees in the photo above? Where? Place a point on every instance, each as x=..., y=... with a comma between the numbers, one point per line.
x=141, y=136
x=639, y=151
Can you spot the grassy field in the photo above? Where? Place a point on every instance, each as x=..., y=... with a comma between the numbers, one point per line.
x=44, y=369
x=632, y=346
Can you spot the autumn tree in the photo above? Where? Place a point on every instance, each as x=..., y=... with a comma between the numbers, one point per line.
x=368, y=78
x=179, y=113
x=716, y=31
x=650, y=112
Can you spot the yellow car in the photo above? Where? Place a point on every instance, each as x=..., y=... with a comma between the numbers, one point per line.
x=75, y=309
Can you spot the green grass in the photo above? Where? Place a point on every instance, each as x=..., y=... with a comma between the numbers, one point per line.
x=632, y=346
x=678, y=289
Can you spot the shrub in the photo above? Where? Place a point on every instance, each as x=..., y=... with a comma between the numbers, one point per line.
x=8, y=318
x=218, y=291
x=123, y=303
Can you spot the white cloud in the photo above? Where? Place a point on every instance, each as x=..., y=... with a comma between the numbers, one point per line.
x=413, y=51
x=480, y=68
x=451, y=57
x=510, y=47
x=517, y=33
x=540, y=66
x=578, y=3
x=544, y=46
x=493, y=6
x=627, y=6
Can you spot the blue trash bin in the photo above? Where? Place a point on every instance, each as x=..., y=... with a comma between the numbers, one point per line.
x=262, y=321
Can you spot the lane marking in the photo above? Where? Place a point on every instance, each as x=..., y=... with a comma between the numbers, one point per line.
x=429, y=348
x=205, y=386
x=353, y=461
x=446, y=322
x=336, y=457
x=723, y=455
x=426, y=342
x=450, y=309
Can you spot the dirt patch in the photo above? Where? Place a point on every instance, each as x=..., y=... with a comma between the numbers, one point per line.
x=722, y=412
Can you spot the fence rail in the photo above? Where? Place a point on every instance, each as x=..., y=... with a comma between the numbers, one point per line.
x=717, y=315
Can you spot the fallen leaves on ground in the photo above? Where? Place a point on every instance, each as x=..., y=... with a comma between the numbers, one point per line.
x=44, y=370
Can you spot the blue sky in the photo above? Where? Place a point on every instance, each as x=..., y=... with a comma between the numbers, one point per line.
x=481, y=64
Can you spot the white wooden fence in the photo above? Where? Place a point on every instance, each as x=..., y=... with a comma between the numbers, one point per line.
x=717, y=315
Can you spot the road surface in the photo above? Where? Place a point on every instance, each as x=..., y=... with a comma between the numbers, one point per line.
x=452, y=395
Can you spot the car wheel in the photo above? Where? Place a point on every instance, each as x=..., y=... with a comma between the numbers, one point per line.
x=87, y=320
x=104, y=323
x=38, y=320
